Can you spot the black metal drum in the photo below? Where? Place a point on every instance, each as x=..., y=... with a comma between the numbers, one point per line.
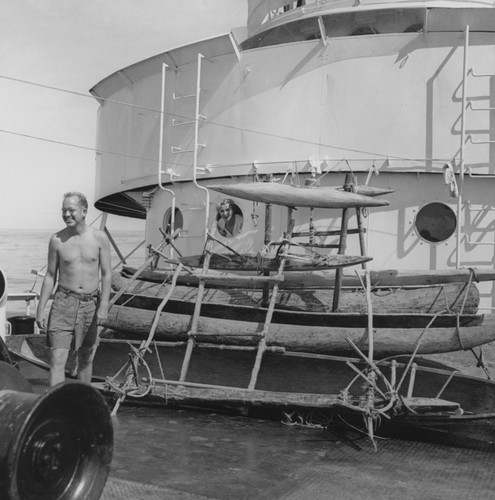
x=57, y=446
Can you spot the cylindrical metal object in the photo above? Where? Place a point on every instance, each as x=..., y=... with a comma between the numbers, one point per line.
x=3, y=304
x=57, y=446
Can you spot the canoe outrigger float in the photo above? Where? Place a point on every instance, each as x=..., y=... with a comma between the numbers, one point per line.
x=293, y=117
x=411, y=397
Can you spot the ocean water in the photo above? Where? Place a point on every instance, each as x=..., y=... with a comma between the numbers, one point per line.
x=23, y=253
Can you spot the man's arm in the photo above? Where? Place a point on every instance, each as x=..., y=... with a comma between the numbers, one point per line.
x=106, y=275
x=48, y=283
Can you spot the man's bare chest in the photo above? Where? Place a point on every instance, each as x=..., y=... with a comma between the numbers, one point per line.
x=78, y=253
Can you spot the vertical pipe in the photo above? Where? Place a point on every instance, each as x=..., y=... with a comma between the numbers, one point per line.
x=196, y=144
x=3, y=304
x=160, y=156
x=463, y=143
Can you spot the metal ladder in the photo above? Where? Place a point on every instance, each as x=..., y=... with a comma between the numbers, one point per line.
x=197, y=146
x=467, y=104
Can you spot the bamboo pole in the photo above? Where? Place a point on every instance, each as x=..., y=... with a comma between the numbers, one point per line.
x=361, y=230
x=342, y=246
x=267, y=240
x=197, y=309
x=271, y=307
x=134, y=277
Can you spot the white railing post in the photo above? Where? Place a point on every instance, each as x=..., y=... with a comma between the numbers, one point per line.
x=197, y=117
x=160, y=155
x=463, y=144
x=3, y=304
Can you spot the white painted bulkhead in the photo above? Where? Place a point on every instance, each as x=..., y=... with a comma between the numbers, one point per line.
x=390, y=101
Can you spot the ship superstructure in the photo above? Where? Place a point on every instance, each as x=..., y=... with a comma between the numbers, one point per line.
x=398, y=94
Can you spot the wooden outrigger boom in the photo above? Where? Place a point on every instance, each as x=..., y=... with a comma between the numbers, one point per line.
x=386, y=278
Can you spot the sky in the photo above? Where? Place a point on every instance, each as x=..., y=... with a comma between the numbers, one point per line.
x=48, y=135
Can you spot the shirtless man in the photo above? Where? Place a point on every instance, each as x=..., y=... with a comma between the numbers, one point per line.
x=77, y=255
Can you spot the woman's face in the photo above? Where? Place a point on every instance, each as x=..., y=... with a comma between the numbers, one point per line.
x=226, y=212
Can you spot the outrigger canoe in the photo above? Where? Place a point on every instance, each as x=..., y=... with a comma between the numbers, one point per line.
x=298, y=386
x=244, y=290
x=256, y=263
x=303, y=320
x=297, y=196
x=387, y=278
x=302, y=331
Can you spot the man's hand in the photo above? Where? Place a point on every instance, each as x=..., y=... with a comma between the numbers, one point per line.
x=41, y=320
x=101, y=316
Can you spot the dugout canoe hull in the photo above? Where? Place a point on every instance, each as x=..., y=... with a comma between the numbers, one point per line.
x=287, y=381
x=304, y=337
x=429, y=299
x=303, y=320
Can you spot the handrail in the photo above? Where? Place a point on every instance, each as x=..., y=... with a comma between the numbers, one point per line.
x=462, y=146
x=27, y=296
x=196, y=144
x=478, y=243
x=160, y=155
x=469, y=171
x=480, y=75
x=478, y=108
x=473, y=141
x=162, y=115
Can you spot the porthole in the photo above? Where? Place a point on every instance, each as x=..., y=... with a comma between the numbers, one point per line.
x=229, y=218
x=167, y=221
x=435, y=222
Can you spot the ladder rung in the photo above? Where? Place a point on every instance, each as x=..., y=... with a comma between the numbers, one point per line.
x=474, y=243
x=476, y=108
x=203, y=170
x=177, y=96
x=178, y=123
x=470, y=138
x=478, y=75
x=177, y=149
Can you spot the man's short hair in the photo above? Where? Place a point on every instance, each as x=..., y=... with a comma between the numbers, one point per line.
x=82, y=199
